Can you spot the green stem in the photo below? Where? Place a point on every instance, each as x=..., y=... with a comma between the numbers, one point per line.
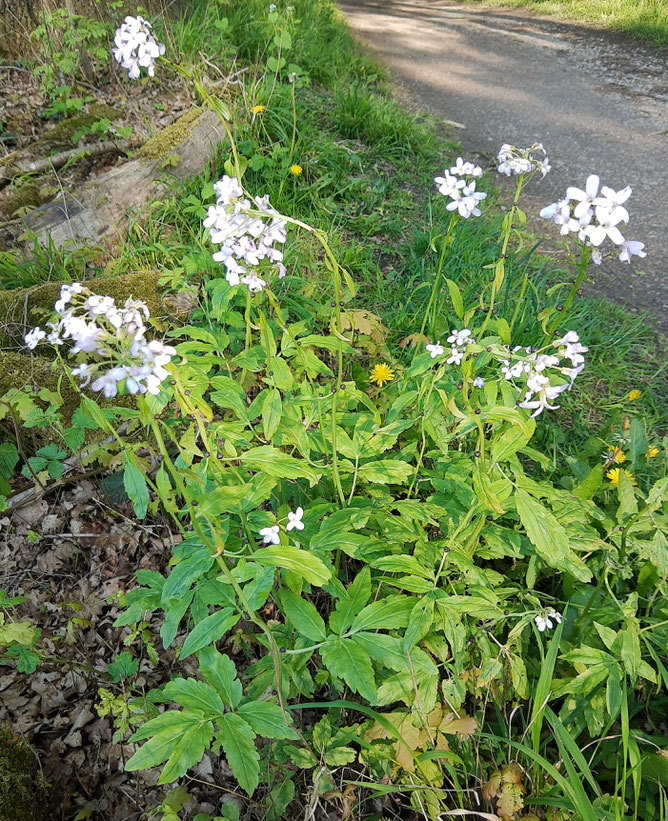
x=582, y=272
x=500, y=268
x=437, y=281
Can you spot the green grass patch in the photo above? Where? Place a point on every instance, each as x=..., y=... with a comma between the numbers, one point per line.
x=645, y=19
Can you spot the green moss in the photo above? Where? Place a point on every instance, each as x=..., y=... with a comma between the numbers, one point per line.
x=23, y=309
x=60, y=136
x=164, y=143
x=22, y=787
x=26, y=197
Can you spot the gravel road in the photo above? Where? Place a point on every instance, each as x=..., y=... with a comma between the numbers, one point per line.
x=597, y=101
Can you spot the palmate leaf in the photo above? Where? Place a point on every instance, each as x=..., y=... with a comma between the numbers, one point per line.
x=303, y=615
x=178, y=737
x=274, y=462
x=238, y=741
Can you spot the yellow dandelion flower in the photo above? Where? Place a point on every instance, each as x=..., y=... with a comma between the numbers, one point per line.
x=380, y=374
x=616, y=455
x=614, y=474
x=633, y=395
x=258, y=109
x=652, y=451
x=296, y=170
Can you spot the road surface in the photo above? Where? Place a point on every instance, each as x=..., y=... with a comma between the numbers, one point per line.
x=597, y=101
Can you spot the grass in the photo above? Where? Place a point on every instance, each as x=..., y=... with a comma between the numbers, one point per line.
x=644, y=19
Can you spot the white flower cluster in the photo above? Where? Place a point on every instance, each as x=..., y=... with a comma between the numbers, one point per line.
x=459, y=184
x=538, y=370
x=270, y=535
x=513, y=160
x=136, y=47
x=544, y=621
x=114, y=338
x=594, y=217
x=246, y=238
x=457, y=340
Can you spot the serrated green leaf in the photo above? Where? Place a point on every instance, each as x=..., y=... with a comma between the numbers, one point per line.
x=209, y=630
x=303, y=615
x=220, y=672
x=194, y=694
x=266, y=719
x=347, y=660
x=388, y=613
x=238, y=743
x=348, y=606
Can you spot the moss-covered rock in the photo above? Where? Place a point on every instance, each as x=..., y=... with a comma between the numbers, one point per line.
x=164, y=143
x=26, y=197
x=23, y=309
x=22, y=789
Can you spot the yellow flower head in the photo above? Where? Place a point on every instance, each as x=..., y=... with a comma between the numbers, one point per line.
x=652, y=451
x=616, y=455
x=633, y=395
x=258, y=109
x=614, y=473
x=380, y=374
x=296, y=170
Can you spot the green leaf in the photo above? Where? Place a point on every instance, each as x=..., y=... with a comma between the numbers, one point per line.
x=135, y=486
x=9, y=456
x=274, y=462
x=188, y=751
x=194, y=694
x=349, y=605
x=299, y=561
x=278, y=800
x=419, y=622
x=508, y=443
x=272, y=408
x=388, y=613
x=220, y=672
x=266, y=719
x=123, y=666
x=345, y=659
x=74, y=437
x=179, y=736
x=208, y=631
x=237, y=739
x=587, y=488
x=548, y=536
x=187, y=571
x=303, y=615
x=628, y=504
x=456, y=297
x=386, y=471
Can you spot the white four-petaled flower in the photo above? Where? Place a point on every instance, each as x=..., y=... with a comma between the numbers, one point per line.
x=295, y=520
x=270, y=535
x=436, y=349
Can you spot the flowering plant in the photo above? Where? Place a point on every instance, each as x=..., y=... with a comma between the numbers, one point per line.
x=400, y=552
